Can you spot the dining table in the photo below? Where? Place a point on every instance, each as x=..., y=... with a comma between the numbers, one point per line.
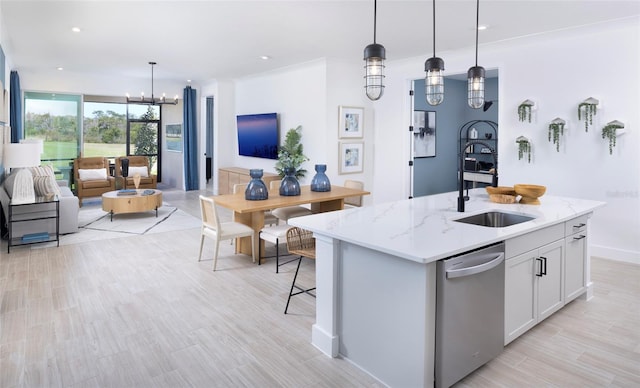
x=251, y=212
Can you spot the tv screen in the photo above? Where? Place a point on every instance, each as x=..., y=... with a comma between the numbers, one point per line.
x=258, y=135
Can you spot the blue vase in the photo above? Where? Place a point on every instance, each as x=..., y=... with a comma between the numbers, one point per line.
x=290, y=185
x=320, y=181
x=256, y=189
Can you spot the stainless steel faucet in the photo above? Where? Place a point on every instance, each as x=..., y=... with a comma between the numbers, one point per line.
x=494, y=181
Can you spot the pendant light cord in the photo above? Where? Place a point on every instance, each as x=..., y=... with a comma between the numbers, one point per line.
x=375, y=10
x=434, y=28
x=477, y=25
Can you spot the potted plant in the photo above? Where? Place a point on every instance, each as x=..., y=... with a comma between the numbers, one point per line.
x=290, y=154
x=609, y=132
x=524, y=110
x=588, y=109
x=524, y=147
x=556, y=129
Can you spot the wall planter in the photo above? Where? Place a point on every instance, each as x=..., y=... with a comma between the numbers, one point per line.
x=586, y=110
x=556, y=129
x=524, y=148
x=609, y=132
x=524, y=110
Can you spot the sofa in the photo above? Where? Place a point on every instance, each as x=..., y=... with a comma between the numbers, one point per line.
x=69, y=206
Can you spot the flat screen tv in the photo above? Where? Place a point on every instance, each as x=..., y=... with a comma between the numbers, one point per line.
x=258, y=135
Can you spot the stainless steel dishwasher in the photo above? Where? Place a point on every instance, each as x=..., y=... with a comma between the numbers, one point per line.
x=469, y=312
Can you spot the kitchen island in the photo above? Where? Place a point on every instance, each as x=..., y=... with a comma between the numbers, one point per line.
x=376, y=273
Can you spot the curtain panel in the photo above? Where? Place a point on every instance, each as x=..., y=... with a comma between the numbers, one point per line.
x=15, y=107
x=189, y=119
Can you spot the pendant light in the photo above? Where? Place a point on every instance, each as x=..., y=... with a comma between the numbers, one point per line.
x=434, y=67
x=153, y=100
x=374, y=56
x=475, y=75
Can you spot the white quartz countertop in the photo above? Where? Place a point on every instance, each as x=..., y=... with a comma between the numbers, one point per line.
x=422, y=229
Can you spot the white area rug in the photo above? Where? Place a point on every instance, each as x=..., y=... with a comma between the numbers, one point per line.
x=95, y=224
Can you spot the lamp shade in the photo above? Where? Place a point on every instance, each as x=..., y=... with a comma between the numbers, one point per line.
x=18, y=155
x=39, y=142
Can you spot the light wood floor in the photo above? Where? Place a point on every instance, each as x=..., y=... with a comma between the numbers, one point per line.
x=142, y=312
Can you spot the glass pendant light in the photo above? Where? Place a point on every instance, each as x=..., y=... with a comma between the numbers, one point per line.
x=374, y=56
x=475, y=75
x=434, y=67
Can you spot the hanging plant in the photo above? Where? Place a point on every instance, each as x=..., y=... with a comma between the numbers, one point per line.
x=556, y=129
x=524, y=110
x=524, y=147
x=609, y=132
x=586, y=110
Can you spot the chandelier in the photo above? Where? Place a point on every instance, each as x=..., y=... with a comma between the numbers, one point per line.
x=153, y=100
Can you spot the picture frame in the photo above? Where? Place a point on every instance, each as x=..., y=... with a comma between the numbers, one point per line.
x=424, y=134
x=173, y=137
x=350, y=122
x=351, y=157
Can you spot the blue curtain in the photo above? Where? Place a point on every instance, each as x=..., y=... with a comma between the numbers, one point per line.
x=190, y=133
x=15, y=102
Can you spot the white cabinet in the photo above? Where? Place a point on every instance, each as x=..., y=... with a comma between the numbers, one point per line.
x=534, y=288
x=576, y=242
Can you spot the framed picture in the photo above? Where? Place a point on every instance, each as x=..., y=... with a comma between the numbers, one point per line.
x=424, y=134
x=174, y=137
x=351, y=157
x=350, y=122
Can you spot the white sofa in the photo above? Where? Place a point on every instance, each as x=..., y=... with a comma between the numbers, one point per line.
x=69, y=208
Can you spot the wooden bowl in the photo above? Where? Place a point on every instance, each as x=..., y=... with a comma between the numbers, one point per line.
x=502, y=198
x=530, y=193
x=506, y=190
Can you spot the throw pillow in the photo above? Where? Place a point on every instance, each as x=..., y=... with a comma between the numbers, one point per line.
x=43, y=171
x=44, y=185
x=90, y=174
x=8, y=184
x=140, y=170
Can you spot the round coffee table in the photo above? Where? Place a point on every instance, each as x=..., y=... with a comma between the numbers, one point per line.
x=113, y=203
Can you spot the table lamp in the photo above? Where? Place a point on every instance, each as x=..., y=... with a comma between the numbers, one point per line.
x=20, y=156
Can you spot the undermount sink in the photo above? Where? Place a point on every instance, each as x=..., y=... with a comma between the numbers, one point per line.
x=495, y=219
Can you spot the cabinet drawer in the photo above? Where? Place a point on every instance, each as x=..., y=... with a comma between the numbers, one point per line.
x=521, y=244
x=576, y=225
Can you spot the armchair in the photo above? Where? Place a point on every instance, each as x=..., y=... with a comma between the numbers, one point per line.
x=91, y=176
x=136, y=162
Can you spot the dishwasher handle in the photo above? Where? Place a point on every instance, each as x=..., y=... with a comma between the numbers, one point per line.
x=494, y=261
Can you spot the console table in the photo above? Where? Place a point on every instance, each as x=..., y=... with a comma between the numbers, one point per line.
x=229, y=176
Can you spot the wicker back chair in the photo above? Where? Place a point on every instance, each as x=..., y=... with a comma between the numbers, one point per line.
x=302, y=243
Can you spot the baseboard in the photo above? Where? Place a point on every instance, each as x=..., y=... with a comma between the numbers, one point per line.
x=615, y=254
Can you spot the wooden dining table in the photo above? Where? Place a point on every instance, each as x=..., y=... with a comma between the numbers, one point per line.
x=251, y=213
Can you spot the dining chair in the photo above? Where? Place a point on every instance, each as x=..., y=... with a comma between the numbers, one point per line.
x=300, y=242
x=269, y=218
x=285, y=213
x=219, y=231
x=357, y=199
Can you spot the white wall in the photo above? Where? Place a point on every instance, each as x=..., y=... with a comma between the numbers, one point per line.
x=558, y=71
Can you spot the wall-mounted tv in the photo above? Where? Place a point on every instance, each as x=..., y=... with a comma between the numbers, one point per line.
x=258, y=135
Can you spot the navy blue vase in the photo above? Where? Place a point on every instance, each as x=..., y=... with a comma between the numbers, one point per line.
x=320, y=181
x=289, y=185
x=256, y=189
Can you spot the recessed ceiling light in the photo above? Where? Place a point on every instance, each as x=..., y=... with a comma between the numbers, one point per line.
x=75, y=29
x=482, y=27
x=189, y=81
x=60, y=68
x=265, y=57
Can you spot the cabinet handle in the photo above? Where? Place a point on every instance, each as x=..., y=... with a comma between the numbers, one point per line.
x=580, y=225
x=544, y=265
x=579, y=237
x=539, y=274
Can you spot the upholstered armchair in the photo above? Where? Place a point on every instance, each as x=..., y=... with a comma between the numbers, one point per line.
x=137, y=164
x=91, y=176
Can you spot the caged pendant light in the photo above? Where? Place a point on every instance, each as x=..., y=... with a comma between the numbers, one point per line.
x=476, y=74
x=434, y=67
x=374, y=56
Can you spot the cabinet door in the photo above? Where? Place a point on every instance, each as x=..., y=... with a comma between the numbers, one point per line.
x=520, y=299
x=575, y=258
x=551, y=284
x=223, y=182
